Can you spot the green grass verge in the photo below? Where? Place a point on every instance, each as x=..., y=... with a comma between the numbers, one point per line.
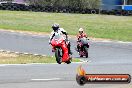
x=98, y=26
x=26, y=59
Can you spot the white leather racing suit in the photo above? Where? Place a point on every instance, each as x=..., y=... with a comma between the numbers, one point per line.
x=60, y=32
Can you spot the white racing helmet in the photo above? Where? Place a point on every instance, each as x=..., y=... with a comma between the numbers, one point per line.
x=81, y=30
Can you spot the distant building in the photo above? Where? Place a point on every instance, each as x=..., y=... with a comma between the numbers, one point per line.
x=128, y=2
x=116, y=4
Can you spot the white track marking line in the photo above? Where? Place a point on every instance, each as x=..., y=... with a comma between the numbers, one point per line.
x=117, y=42
x=2, y=65
x=50, y=79
x=33, y=64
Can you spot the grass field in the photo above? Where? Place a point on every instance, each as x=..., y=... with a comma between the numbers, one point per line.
x=97, y=26
x=6, y=58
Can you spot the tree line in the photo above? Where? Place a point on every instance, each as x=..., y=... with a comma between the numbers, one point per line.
x=83, y=4
x=63, y=6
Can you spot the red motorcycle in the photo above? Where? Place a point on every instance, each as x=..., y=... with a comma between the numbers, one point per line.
x=83, y=47
x=61, y=51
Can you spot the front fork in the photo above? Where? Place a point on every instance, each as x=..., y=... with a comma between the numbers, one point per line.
x=65, y=56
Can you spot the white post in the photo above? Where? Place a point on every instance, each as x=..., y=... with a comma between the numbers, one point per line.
x=124, y=2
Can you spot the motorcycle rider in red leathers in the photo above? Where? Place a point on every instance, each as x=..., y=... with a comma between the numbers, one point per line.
x=80, y=35
x=59, y=31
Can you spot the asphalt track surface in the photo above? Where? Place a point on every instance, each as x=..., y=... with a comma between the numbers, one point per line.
x=104, y=58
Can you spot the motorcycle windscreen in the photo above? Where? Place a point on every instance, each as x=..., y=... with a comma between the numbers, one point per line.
x=84, y=40
x=58, y=36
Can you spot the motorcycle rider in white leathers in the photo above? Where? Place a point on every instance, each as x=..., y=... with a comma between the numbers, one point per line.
x=59, y=31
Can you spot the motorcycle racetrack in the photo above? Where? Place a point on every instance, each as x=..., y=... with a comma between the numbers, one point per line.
x=105, y=57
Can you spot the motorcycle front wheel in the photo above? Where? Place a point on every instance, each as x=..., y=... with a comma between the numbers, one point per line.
x=58, y=55
x=86, y=51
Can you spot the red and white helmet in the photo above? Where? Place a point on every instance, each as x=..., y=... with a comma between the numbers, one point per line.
x=81, y=30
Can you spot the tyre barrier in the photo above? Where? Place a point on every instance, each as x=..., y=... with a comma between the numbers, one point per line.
x=93, y=12
x=117, y=12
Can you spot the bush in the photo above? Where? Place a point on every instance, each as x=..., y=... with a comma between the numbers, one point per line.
x=67, y=3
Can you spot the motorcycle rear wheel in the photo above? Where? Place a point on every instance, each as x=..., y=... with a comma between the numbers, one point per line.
x=86, y=51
